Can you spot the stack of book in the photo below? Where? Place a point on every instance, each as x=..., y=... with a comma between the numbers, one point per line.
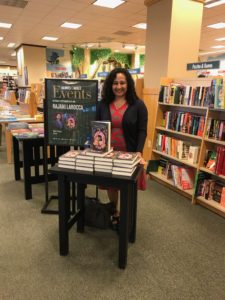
x=125, y=163
x=68, y=160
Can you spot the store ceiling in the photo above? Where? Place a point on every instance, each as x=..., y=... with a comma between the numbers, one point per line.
x=109, y=27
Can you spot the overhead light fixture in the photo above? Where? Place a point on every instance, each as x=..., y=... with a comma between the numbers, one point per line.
x=130, y=47
x=220, y=39
x=116, y=51
x=140, y=26
x=71, y=25
x=217, y=25
x=87, y=45
x=1, y=38
x=218, y=47
x=13, y=54
x=5, y=25
x=11, y=45
x=49, y=38
x=2, y=62
x=213, y=3
x=211, y=52
x=109, y=3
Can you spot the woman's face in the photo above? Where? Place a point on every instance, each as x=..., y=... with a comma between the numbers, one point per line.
x=119, y=86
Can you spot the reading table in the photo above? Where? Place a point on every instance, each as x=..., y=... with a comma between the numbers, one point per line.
x=128, y=205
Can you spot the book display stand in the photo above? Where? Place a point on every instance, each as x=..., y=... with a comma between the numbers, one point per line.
x=69, y=108
x=181, y=137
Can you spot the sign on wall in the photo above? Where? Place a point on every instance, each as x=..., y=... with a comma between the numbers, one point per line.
x=203, y=65
x=70, y=106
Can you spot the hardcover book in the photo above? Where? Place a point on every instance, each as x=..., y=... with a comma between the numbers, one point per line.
x=69, y=156
x=101, y=136
x=125, y=158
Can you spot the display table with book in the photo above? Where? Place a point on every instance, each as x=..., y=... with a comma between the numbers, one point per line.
x=128, y=205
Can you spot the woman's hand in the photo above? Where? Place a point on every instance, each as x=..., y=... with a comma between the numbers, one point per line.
x=142, y=161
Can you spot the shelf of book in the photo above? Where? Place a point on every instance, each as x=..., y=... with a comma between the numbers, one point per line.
x=212, y=173
x=169, y=182
x=185, y=162
x=179, y=133
x=184, y=106
x=215, y=141
x=212, y=205
x=194, y=106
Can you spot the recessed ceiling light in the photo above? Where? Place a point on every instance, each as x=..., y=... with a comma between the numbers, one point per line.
x=5, y=25
x=140, y=26
x=108, y=3
x=217, y=25
x=1, y=38
x=213, y=3
x=11, y=45
x=71, y=25
x=13, y=54
x=220, y=39
x=131, y=47
x=218, y=47
x=49, y=38
x=116, y=51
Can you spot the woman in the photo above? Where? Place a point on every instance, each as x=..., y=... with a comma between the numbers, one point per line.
x=128, y=115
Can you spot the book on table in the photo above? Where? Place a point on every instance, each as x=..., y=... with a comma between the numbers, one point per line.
x=101, y=136
x=66, y=166
x=93, y=153
x=69, y=156
x=124, y=172
x=126, y=158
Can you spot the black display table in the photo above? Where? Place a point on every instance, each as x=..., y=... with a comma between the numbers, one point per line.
x=128, y=205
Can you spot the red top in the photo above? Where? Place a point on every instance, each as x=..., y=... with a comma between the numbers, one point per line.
x=117, y=137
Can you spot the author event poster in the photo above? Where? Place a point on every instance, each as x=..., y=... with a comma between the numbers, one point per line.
x=70, y=106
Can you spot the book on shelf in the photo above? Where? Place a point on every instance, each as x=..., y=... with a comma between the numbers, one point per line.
x=222, y=200
x=101, y=136
x=187, y=176
x=217, y=191
x=210, y=161
x=193, y=154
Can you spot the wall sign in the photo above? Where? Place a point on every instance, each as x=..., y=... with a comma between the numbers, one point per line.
x=102, y=74
x=134, y=71
x=204, y=65
x=70, y=106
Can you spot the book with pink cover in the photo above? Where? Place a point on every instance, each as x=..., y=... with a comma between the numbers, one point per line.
x=187, y=176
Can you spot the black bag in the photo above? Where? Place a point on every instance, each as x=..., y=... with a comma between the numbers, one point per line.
x=97, y=214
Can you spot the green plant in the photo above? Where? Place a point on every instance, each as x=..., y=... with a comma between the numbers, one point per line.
x=99, y=54
x=77, y=56
x=124, y=58
x=142, y=59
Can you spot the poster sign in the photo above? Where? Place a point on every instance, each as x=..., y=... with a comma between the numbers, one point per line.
x=134, y=71
x=208, y=65
x=70, y=106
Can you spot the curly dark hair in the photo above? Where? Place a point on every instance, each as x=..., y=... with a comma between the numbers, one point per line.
x=107, y=93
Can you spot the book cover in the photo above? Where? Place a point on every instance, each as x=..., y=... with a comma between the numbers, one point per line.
x=94, y=153
x=187, y=178
x=125, y=157
x=193, y=154
x=101, y=136
x=222, y=200
x=108, y=158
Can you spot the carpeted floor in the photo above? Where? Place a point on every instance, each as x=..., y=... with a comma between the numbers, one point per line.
x=179, y=252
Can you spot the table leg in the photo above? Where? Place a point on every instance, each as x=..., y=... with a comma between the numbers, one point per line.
x=124, y=226
x=81, y=206
x=16, y=159
x=132, y=236
x=27, y=158
x=64, y=214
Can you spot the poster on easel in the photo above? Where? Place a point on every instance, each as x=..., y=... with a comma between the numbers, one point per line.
x=70, y=106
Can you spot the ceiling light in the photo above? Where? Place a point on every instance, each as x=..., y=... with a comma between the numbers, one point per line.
x=5, y=25
x=11, y=45
x=116, y=51
x=131, y=47
x=220, y=39
x=217, y=25
x=218, y=47
x=1, y=38
x=140, y=26
x=211, y=52
x=2, y=62
x=49, y=38
x=213, y=3
x=13, y=54
x=71, y=25
x=108, y=3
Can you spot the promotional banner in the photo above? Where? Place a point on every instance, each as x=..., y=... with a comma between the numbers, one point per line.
x=70, y=106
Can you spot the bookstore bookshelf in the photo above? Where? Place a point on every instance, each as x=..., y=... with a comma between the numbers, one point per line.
x=188, y=153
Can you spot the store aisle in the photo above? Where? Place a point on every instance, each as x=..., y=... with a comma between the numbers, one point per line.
x=179, y=252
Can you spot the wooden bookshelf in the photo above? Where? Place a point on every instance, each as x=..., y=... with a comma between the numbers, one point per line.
x=203, y=142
